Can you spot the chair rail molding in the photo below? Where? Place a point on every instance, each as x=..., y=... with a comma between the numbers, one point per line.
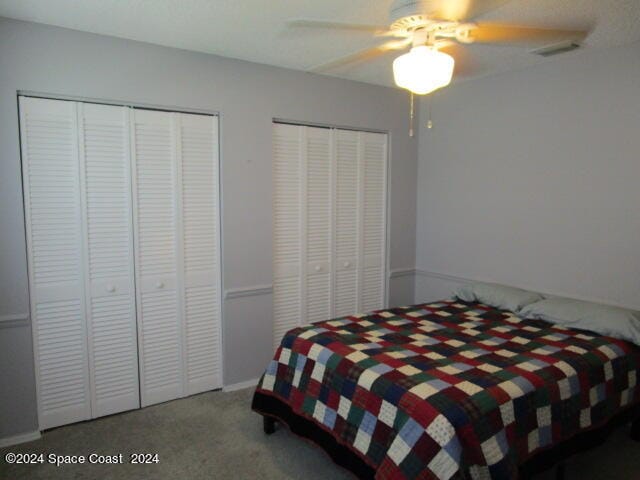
x=427, y=274
x=443, y=276
x=251, y=291
x=14, y=320
x=402, y=272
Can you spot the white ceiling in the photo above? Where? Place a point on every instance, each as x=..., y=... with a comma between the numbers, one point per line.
x=255, y=30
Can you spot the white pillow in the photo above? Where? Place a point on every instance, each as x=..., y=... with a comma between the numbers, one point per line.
x=499, y=296
x=603, y=319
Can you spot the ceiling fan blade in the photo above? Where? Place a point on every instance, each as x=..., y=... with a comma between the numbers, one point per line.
x=321, y=24
x=465, y=63
x=522, y=36
x=361, y=56
x=462, y=10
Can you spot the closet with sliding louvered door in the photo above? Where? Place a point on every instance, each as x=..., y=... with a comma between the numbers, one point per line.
x=177, y=253
x=348, y=231
x=105, y=180
x=201, y=296
x=372, y=150
x=76, y=168
x=122, y=221
x=329, y=208
x=55, y=243
x=288, y=209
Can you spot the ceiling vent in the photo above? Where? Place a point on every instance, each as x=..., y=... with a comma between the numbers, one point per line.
x=556, y=49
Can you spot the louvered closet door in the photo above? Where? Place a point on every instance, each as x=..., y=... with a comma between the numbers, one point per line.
x=156, y=246
x=372, y=249
x=287, y=228
x=329, y=189
x=317, y=199
x=54, y=240
x=346, y=222
x=111, y=315
x=198, y=152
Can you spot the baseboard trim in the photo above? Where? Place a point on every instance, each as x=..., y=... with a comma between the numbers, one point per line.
x=248, y=291
x=17, y=439
x=241, y=385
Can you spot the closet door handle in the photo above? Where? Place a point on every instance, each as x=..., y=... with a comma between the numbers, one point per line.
x=111, y=288
x=159, y=285
x=346, y=264
x=317, y=268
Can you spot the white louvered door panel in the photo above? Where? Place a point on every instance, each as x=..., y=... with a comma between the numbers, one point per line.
x=318, y=223
x=198, y=160
x=287, y=228
x=372, y=266
x=55, y=258
x=346, y=223
x=156, y=252
x=111, y=314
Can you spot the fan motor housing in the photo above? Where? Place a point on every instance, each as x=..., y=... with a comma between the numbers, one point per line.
x=408, y=15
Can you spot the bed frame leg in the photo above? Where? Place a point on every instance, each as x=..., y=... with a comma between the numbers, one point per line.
x=635, y=430
x=560, y=470
x=268, y=424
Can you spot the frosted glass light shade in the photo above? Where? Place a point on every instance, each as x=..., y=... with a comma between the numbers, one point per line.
x=423, y=70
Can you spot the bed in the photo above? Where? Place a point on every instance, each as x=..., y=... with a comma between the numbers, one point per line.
x=450, y=389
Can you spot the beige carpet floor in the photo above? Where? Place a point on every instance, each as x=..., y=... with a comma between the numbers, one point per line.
x=216, y=436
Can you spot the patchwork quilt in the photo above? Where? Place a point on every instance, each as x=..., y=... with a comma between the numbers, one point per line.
x=447, y=389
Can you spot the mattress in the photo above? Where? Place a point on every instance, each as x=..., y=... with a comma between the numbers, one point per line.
x=448, y=389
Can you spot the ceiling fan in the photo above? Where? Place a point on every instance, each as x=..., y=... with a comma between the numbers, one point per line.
x=437, y=31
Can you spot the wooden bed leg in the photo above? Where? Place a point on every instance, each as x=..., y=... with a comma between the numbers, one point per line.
x=635, y=430
x=268, y=424
x=560, y=471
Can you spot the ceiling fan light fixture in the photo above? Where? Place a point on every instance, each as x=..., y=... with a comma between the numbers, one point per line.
x=423, y=70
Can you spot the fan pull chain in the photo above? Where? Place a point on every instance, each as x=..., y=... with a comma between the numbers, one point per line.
x=411, y=115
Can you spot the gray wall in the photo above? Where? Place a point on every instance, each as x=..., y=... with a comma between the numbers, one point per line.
x=58, y=61
x=531, y=178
